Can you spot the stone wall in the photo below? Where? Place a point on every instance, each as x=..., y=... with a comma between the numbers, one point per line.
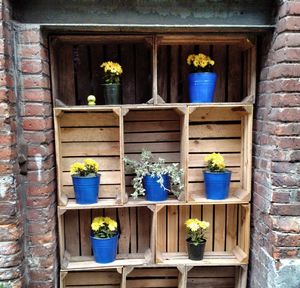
x=275, y=249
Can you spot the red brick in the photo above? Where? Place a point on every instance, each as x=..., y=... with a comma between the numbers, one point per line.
x=8, y=248
x=30, y=51
x=285, y=180
x=48, y=237
x=38, y=95
x=288, y=142
x=42, y=176
x=37, y=137
x=11, y=273
x=40, y=150
x=41, y=250
x=41, y=190
x=37, y=123
x=286, y=252
x=281, y=197
x=41, y=214
x=47, y=163
x=40, y=202
x=281, y=129
x=40, y=227
x=285, y=114
x=8, y=208
x=35, y=81
x=31, y=66
x=286, y=40
x=284, y=167
x=286, y=224
x=284, y=100
x=29, y=36
x=37, y=109
x=285, y=209
x=41, y=275
x=10, y=232
x=7, y=153
x=11, y=260
x=289, y=23
x=281, y=70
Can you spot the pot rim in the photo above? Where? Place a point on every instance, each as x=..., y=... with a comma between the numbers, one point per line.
x=116, y=236
x=216, y=172
x=77, y=176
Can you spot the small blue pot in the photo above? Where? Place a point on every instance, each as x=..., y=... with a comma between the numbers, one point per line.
x=217, y=184
x=202, y=87
x=105, y=249
x=153, y=190
x=86, y=189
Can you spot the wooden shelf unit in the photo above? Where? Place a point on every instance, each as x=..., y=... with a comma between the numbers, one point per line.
x=155, y=115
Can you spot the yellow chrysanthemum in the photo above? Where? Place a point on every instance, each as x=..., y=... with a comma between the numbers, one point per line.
x=76, y=168
x=200, y=61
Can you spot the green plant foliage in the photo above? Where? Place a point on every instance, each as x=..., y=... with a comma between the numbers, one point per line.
x=147, y=166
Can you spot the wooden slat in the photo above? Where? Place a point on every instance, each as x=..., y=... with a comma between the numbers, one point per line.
x=124, y=240
x=93, y=278
x=216, y=145
x=159, y=283
x=89, y=134
x=214, y=114
x=151, y=137
x=88, y=119
x=161, y=242
x=215, y=272
x=219, y=228
x=184, y=214
x=169, y=157
x=172, y=232
x=151, y=126
x=215, y=131
x=82, y=72
x=105, y=163
x=66, y=82
x=107, y=177
x=133, y=230
x=90, y=149
x=231, y=224
x=151, y=115
x=153, y=147
x=153, y=272
x=196, y=160
x=234, y=74
x=211, y=282
x=85, y=232
x=209, y=217
x=162, y=75
x=72, y=233
x=128, y=77
x=174, y=74
x=196, y=211
x=185, y=70
x=219, y=56
x=143, y=233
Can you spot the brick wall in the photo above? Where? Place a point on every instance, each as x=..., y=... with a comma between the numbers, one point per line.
x=28, y=254
x=276, y=200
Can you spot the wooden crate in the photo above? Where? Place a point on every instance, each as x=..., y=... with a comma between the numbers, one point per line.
x=135, y=245
x=227, y=238
x=161, y=130
x=89, y=133
x=227, y=130
x=153, y=64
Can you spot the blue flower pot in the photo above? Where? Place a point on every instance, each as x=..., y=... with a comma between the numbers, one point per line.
x=153, y=190
x=202, y=87
x=86, y=189
x=105, y=249
x=217, y=184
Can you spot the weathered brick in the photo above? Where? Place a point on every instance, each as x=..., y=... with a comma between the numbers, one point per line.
x=41, y=239
x=37, y=109
x=10, y=232
x=40, y=227
x=31, y=66
x=289, y=23
x=37, y=123
x=38, y=95
x=285, y=209
x=9, y=247
x=35, y=81
x=281, y=197
x=41, y=214
x=285, y=180
x=284, y=129
x=286, y=40
x=284, y=100
x=39, y=137
x=41, y=150
x=35, y=163
x=37, y=189
x=40, y=202
x=29, y=36
x=286, y=224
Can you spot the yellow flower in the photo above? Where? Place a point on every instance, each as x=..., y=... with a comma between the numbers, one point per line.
x=91, y=165
x=97, y=223
x=76, y=168
x=200, y=61
x=215, y=162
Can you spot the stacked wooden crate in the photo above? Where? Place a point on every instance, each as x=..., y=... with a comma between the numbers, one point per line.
x=152, y=246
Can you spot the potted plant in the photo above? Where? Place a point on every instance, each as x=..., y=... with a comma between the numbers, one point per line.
x=196, y=240
x=111, y=85
x=154, y=179
x=86, y=180
x=202, y=81
x=104, y=239
x=216, y=177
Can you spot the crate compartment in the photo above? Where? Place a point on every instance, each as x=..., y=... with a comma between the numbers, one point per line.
x=226, y=130
x=96, y=134
x=159, y=130
x=109, y=278
x=135, y=245
x=226, y=244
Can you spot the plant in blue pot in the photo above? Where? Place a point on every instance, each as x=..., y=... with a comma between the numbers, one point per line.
x=154, y=179
x=104, y=239
x=202, y=81
x=196, y=238
x=86, y=181
x=216, y=177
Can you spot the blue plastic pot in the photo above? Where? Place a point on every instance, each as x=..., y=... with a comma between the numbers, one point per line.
x=153, y=190
x=202, y=87
x=105, y=249
x=217, y=184
x=86, y=189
